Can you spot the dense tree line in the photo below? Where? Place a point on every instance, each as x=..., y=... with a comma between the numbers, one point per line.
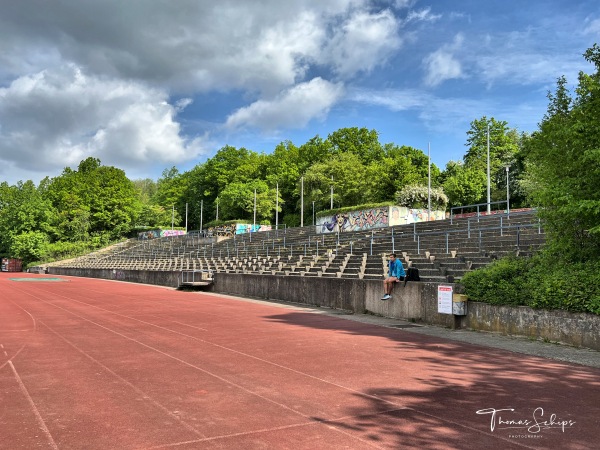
x=561, y=175
x=93, y=205
x=555, y=169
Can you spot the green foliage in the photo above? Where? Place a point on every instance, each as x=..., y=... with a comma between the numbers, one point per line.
x=414, y=196
x=29, y=246
x=539, y=282
x=464, y=185
x=564, y=167
x=501, y=283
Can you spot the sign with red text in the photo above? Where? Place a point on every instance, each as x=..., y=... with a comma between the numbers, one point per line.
x=445, y=299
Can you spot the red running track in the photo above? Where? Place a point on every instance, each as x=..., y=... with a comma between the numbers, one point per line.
x=93, y=364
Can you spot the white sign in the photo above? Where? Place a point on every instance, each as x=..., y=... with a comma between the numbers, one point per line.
x=445, y=299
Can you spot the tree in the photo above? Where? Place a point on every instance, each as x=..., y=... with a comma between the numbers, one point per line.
x=350, y=184
x=463, y=185
x=564, y=166
x=416, y=196
x=237, y=201
x=358, y=141
x=504, y=145
x=29, y=246
x=23, y=209
x=94, y=199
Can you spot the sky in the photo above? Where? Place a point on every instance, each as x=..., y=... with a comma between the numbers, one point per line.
x=145, y=85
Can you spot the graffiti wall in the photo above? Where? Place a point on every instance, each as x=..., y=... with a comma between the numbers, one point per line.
x=365, y=219
x=236, y=228
x=368, y=219
x=242, y=228
x=155, y=234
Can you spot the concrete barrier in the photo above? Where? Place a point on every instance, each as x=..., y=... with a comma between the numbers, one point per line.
x=416, y=301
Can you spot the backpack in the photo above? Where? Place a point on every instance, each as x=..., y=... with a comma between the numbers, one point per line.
x=412, y=274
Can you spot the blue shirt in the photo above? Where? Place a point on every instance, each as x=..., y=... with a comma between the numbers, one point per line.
x=395, y=269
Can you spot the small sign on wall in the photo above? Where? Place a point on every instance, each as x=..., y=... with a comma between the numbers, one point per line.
x=445, y=299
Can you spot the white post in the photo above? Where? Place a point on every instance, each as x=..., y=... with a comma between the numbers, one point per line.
x=302, y=201
x=254, y=221
x=217, y=218
x=186, y=216
x=201, y=208
x=428, y=181
x=507, y=193
x=277, y=207
x=489, y=206
x=173, y=218
x=331, y=192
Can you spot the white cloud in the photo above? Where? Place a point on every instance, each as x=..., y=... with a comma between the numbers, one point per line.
x=592, y=26
x=423, y=15
x=198, y=45
x=293, y=108
x=58, y=117
x=394, y=100
x=442, y=64
x=362, y=42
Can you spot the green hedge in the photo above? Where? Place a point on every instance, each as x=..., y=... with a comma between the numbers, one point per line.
x=538, y=282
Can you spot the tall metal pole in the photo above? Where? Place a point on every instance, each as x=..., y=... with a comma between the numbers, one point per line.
x=507, y=193
x=254, y=221
x=173, y=218
x=201, y=208
x=186, y=216
x=428, y=181
x=302, y=201
x=331, y=192
x=277, y=208
x=489, y=206
x=217, y=218
x=313, y=212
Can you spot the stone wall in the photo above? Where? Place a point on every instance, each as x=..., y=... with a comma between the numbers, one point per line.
x=415, y=301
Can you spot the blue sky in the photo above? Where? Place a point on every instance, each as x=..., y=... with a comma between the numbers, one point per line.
x=145, y=85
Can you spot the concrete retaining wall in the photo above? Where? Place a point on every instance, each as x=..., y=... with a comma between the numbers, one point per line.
x=415, y=301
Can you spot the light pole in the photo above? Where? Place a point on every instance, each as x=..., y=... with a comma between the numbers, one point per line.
x=488, y=170
x=428, y=181
x=313, y=213
x=507, y=193
x=302, y=201
x=254, y=221
x=277, y=207
x=331, y=192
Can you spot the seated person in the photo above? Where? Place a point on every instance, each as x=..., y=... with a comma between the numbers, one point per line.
x=395, y=273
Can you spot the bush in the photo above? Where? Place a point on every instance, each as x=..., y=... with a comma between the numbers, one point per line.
x=539, y=282
x=501, y=283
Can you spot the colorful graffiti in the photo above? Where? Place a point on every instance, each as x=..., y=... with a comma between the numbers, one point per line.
x=237, y=228
x=365, y=219
x=242, y=228
x=155, y=234
x=375, y=218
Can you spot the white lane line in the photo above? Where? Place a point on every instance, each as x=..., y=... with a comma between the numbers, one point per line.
x=354, y=391
x=24, y=345
x=38, y=416
x=128, y=383
x=224, y=380
x=327, y=422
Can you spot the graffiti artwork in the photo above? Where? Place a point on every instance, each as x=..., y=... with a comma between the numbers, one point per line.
x=242, y=228
x=368, y=219
x=354, y=221
x=158, y=233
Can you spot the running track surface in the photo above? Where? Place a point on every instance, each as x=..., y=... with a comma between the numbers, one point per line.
x=93, y=364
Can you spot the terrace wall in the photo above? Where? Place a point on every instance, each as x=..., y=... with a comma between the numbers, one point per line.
x=415, y=301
